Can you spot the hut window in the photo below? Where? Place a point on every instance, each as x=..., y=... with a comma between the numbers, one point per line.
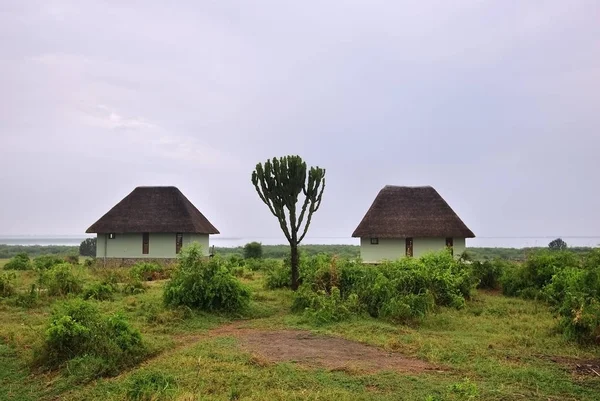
x=409, y=247
x=450, y=245
x=374, y=241
x=146, y=243
x=111, y=236
x=178, y=242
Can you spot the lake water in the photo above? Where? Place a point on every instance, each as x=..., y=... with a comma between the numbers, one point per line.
x=218, y=241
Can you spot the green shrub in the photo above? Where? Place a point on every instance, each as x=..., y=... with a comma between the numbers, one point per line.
x=146, y=271
x=61, y=280
x=78, y=330
x=100, y=291
x=489, y=273
x=89, y=262
x=323, y=307
x=204, y=284
x=529, y=278
x=150, y=385
x=278, y=276
x=399, y=291
x=7, y=287
x=134, y=287
x=575, y=295
x=253, y=250
x=72, y=259
x=44, y=262
x=28, y=299
x=20, y=261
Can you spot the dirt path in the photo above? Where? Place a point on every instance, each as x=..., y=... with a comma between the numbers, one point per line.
x=315, y=350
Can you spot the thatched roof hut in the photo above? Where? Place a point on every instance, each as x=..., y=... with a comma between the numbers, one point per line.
x=403, y=212
x=154, y=210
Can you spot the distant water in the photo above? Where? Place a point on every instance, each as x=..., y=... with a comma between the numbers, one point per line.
x=226, y=242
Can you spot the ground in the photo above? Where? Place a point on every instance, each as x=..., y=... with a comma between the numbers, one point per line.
x=496, y=348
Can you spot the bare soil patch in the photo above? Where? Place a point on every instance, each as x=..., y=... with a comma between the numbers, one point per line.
x=579, y=367
x=315, y=350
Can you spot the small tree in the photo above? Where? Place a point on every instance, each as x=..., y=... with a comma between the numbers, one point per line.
x=557, y=245
x=253, y=250
x=88, y=247
x=278, y=183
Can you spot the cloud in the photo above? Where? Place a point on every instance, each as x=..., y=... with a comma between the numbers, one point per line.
x=106, y=117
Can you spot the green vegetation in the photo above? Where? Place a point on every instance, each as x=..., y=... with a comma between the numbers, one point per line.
x=278, y=184
x=9, y=251
x=20, y=261
x=88, y=247
x=205, y=285
x=78, y=336
x=253, y=250
x=477, y=344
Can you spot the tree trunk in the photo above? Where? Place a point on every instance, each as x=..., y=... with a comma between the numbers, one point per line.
x=295, y=270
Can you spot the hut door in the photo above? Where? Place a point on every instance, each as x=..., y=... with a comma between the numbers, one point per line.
x=450, y=245
x=409, y=247
x=146, y=243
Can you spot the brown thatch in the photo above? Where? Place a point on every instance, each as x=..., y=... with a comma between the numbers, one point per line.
x=155, y=210
x=402, y=212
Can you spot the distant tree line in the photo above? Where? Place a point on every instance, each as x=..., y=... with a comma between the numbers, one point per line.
x=9, y=251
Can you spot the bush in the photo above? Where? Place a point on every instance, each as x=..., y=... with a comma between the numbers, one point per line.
x=44, y=262
x=146, y=271
x=278, y=276
x=88, y=247
x=489, y=273
x=28, y=299
x=322, y=307
x=100, y=291
x=204, y=284
x=399, y=291
x=7, y=287
x=89, y=262
x=575, y=295
x=150, y=385
x=60, y=280
x=529, y=278
x=20, y=261
x=78, y=330
x=134, y=287
x=72, y=259
x=253, y=250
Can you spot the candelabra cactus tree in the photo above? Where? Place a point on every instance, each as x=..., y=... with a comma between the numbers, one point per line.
x=279, y=183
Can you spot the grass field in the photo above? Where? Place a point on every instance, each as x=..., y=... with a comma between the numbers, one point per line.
x=497, y=348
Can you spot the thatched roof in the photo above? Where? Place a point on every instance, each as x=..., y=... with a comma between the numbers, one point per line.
x=156, y=210
x=401, y=212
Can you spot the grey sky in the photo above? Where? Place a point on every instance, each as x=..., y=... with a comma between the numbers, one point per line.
x=494, y=103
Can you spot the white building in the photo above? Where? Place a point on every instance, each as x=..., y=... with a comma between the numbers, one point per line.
x=409, y=221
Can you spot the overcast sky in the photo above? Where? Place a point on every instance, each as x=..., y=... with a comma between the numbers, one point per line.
x=494, y=103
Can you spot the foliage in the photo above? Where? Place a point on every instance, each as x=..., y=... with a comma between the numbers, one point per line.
x=253, y=250
x=61, y=280
x=527, y=279
x=204, y=284
x=277, y=276
x=557, y=245
x=8, y=251
x=399, y=291
x=100, y=291
x=7, y=287
x=77, y=329
x=323, y=307
x=134, y=287
x=489, y=273
x=88, y=247
x=20, y=261
x=278, y=184
x=575, y=294
x=150, y=385
x=147, y=271
x=44, y=262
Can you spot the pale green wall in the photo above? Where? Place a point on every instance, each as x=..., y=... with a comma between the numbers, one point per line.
x=162, y=245
x=395, y=248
